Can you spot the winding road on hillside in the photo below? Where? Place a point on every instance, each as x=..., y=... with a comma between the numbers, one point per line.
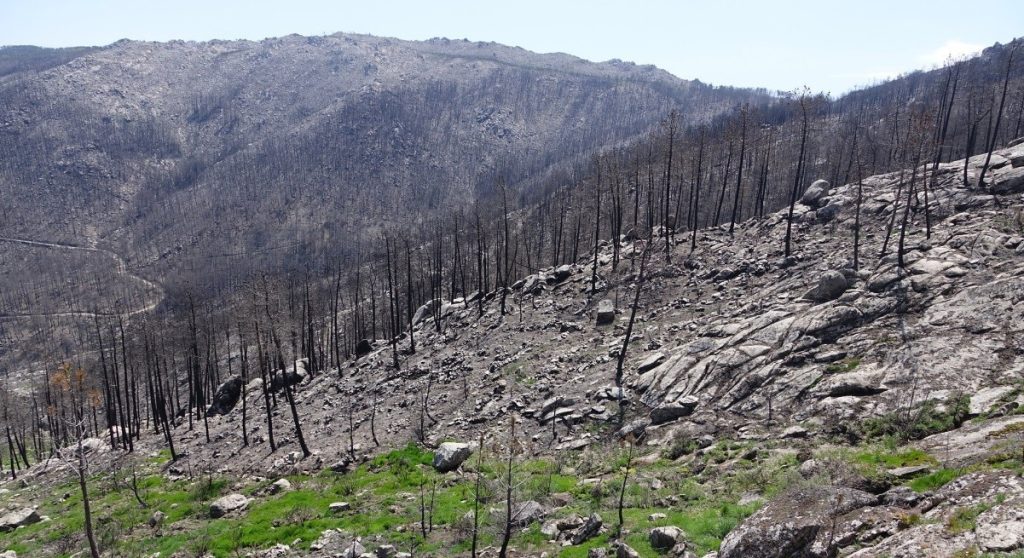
x=121, y=269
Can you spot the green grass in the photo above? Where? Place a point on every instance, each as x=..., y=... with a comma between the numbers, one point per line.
x=965, y=519
x=846, y=365
x=934, y=480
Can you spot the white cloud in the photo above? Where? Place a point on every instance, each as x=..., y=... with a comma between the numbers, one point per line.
x=952, y=48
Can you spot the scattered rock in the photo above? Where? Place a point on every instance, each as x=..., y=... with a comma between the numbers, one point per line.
x=228, y=504
x=339, y=507
x=588, y=530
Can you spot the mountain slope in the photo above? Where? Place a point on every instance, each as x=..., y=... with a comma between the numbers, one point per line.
x=166, y=151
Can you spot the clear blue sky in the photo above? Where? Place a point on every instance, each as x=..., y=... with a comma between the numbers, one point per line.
x=826, y=44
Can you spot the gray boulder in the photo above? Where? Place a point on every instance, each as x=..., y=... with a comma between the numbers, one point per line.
x=590, y=528
x=791, y=523
x=815, y=193
x=226, y=397
x=561, y=273
x=527, y=512
x=450, y=455
x=664, y=538
x=668, y=412
x=19, y=518
x=605, y=312
x=830, y=285
x=228, y=504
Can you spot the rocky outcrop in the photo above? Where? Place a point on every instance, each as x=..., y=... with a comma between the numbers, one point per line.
x=799, y=523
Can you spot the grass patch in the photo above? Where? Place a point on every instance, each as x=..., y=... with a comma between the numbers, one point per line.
x=846, y=365
x=933, y=481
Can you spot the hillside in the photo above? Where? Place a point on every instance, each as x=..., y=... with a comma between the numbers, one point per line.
x=782, y=406
x=177, y=154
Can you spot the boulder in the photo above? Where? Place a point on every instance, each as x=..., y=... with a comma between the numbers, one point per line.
x=450, y=455
x=19, y=518
x=650, y=362
x=1008, y=181
x=339, y=507
x=526, y=513
x=664, y=538
x=363, y=347
x=830, y=285
x=605, y=312
x=790, y=524
x=625, y=551
x=157, y=519
x=815, y=193
x=280, y=485
x=667, y=412
x=8, y=554
x=561, y=273
x=226, y=396
x=228, y=504
x=590, y=528
x=424, y=312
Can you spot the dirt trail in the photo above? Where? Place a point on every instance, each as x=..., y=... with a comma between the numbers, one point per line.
x=121, y=269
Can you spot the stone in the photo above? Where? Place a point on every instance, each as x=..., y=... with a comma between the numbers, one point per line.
x=605, y=312
x=450, y=455
x=667, y=412
x=363, y=347
x=815, y=193
x=526, y=513
x=590, y=528
x=280, y=485
x=8, y=554
x=657, y=516
x=983, y=399
x=424, y=312
x=664, y=538
x=157, y=519
x=1008, y=181
x=339, y=507
x=625, y=551
x=651, y=362
x=830, y=285
x=385, y=551
x=561, y=273
x=228, y=504
x=354, y=549
x=19, y=518
x=795, y=431
x=226, y=396
x=597, y=553
x=908, y=472
x=791, y=523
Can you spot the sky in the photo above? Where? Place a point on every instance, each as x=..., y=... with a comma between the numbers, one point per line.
x=827, y=45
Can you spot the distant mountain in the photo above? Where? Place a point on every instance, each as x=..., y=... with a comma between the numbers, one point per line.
x=169, y=152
